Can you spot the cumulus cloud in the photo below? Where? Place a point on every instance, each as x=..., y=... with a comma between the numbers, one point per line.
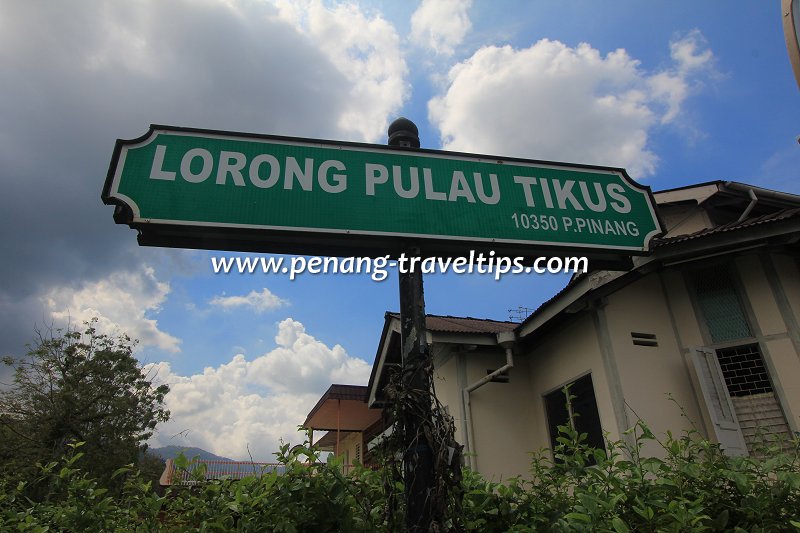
x=105, y=69
x=366, y=51
x=258, y=301
x=253, y=404
x=691, y=55
x=441, y=24
x=554, y=102
x=691, y=52
x=120, y=302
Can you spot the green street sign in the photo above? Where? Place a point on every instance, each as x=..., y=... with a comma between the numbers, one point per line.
x=220, y=190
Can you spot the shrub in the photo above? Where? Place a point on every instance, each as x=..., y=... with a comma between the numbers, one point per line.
x=692, y=487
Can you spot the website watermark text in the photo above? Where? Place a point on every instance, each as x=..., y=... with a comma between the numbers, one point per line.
x=378, y=267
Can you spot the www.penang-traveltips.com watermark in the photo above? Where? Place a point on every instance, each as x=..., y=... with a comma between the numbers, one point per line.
x=378, y=267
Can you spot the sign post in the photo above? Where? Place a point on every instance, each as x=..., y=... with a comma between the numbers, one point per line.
x=192, y=188
x=418, y=467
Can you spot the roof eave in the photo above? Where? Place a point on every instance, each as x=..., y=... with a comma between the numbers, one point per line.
x=380, y=355
x=392, y=325
x=788, y=199
x=333, y=393
x=554, y=307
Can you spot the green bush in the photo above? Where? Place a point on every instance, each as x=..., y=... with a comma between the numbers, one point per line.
x=75, y=502
x=693, y=486
x=306, y=495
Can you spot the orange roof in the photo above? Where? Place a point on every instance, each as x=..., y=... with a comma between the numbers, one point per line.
x=342, y=407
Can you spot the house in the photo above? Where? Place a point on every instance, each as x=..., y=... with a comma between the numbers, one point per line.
x=349, y=422
x=701, y=333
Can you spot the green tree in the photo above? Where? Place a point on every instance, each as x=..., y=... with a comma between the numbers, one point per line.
x=77, y=386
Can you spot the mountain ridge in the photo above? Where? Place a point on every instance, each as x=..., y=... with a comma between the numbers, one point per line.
x=172, y=451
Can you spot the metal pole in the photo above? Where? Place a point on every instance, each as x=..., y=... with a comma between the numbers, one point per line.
x=418, y=469
x=338, y=424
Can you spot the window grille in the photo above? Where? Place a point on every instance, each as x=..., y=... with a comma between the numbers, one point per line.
x=758, y=409
x=744, y=370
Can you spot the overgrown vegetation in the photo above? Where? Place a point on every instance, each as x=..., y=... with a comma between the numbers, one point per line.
x=423, y=433
x=694, y=487
x=73, y=428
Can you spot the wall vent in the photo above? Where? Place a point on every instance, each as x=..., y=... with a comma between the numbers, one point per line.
x=644, y=339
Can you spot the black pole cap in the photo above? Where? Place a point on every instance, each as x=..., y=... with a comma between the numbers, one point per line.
x=403, y=132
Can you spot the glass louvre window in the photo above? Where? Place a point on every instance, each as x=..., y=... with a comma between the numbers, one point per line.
x=584, y=409
x=720, y=305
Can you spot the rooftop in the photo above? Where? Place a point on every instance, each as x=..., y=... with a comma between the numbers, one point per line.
x=776, y=216
x=342, y=408
x=458, y=324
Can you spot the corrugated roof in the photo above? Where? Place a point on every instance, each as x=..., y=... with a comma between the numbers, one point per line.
x=458, y=324
x=217, y=470
x=732, y=226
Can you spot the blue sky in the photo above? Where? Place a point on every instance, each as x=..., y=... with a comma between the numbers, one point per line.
x=676, y=92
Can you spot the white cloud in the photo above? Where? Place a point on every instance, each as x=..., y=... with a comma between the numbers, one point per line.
x=554, y=102
x=441, y=24
x=691, y=55
x=691, y=52
x=258, y=301
x=366, y=50
x=120, y=302
x=256, y=403
x=105, y=69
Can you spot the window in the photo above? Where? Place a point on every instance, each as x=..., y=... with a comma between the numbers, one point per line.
x=584, y=409
x=733, y=375
x=720, y=305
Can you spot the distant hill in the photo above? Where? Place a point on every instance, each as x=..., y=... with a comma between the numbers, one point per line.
x=171, y=452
